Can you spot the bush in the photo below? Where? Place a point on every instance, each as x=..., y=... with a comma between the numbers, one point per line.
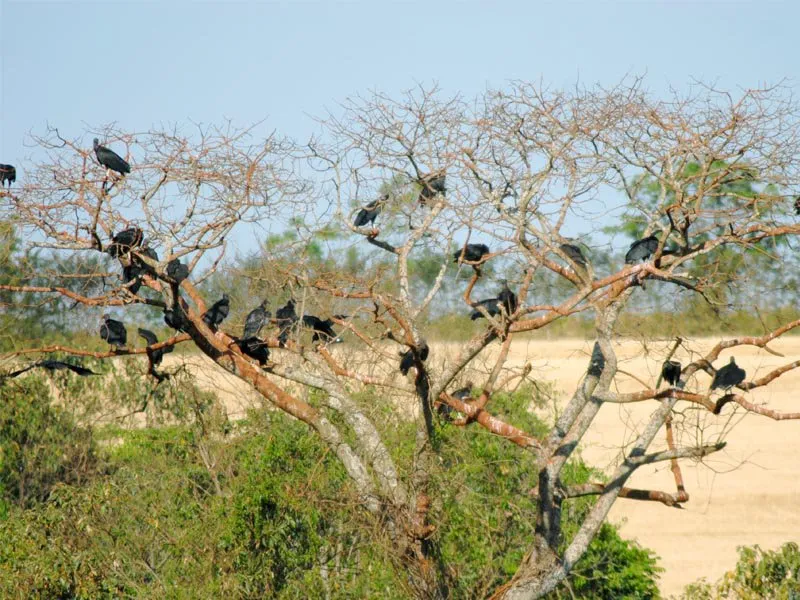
x=488, y=517
x=41, y=445
x=275, y=532
x=612, y=569
x=193, y=511
x=759, y=574
x=145, y=528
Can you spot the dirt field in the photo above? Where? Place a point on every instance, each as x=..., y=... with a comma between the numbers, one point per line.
x=746, y=494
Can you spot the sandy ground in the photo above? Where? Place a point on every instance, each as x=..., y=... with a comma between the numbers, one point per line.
x=746, y=494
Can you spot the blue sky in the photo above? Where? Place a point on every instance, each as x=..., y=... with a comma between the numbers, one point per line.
x=141, y=64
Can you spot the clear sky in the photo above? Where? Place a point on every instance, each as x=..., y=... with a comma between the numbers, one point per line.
x=140, y=64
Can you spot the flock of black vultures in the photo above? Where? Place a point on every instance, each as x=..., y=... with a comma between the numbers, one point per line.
x=129, y=245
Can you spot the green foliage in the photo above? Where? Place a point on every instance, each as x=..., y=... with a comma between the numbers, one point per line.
x=726, y=270
x=261, y=522
x=453, y=328
x=264, y=509
x=759, y=574
x=26, y=316
x=487, y=508
x=702, y=320
x=140, y=531
x=612, y=569
x=697, y=320
x=41, y=445
x=488, y=515
x=424, y=268
x=275, y=534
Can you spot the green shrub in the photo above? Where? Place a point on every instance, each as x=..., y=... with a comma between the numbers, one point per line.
x=275, y=532
x=773, y=574
x=612, y=569
x=41, y=445
x=195, y=512
x=488, y=516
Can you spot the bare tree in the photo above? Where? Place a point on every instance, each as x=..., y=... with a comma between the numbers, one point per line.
x=515, y=169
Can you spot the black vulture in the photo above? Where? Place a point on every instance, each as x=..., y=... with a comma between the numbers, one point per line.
x=177, y=271
x=255, y=320
x=52, y=365
x=471, y=253
x=176, y=318
x=286, y=317
x=464, y=392
x=432, y=185
x=323, y=330
x=641, y=250
x=113, y=332
x=407, y=357
x=598, y=362
x=574, y=254
x=133, y=273
x=110, y=159
x=671, y=371
x=445, y=410
x=218, y=312
x=406, y=361
x=370, y=212
x=137, y=267
x=507, y=297
x=155, y=355
x=728, y=376
x=254, y=348
x=125, y=241
x=796, y=204
x=7, y=173
x=147, y=251
x=492, y=306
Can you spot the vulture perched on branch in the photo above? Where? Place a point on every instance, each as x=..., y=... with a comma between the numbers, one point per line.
x=110, y=159
x=113, y=332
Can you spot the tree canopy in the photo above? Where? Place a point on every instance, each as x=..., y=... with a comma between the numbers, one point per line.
x=525, y=170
